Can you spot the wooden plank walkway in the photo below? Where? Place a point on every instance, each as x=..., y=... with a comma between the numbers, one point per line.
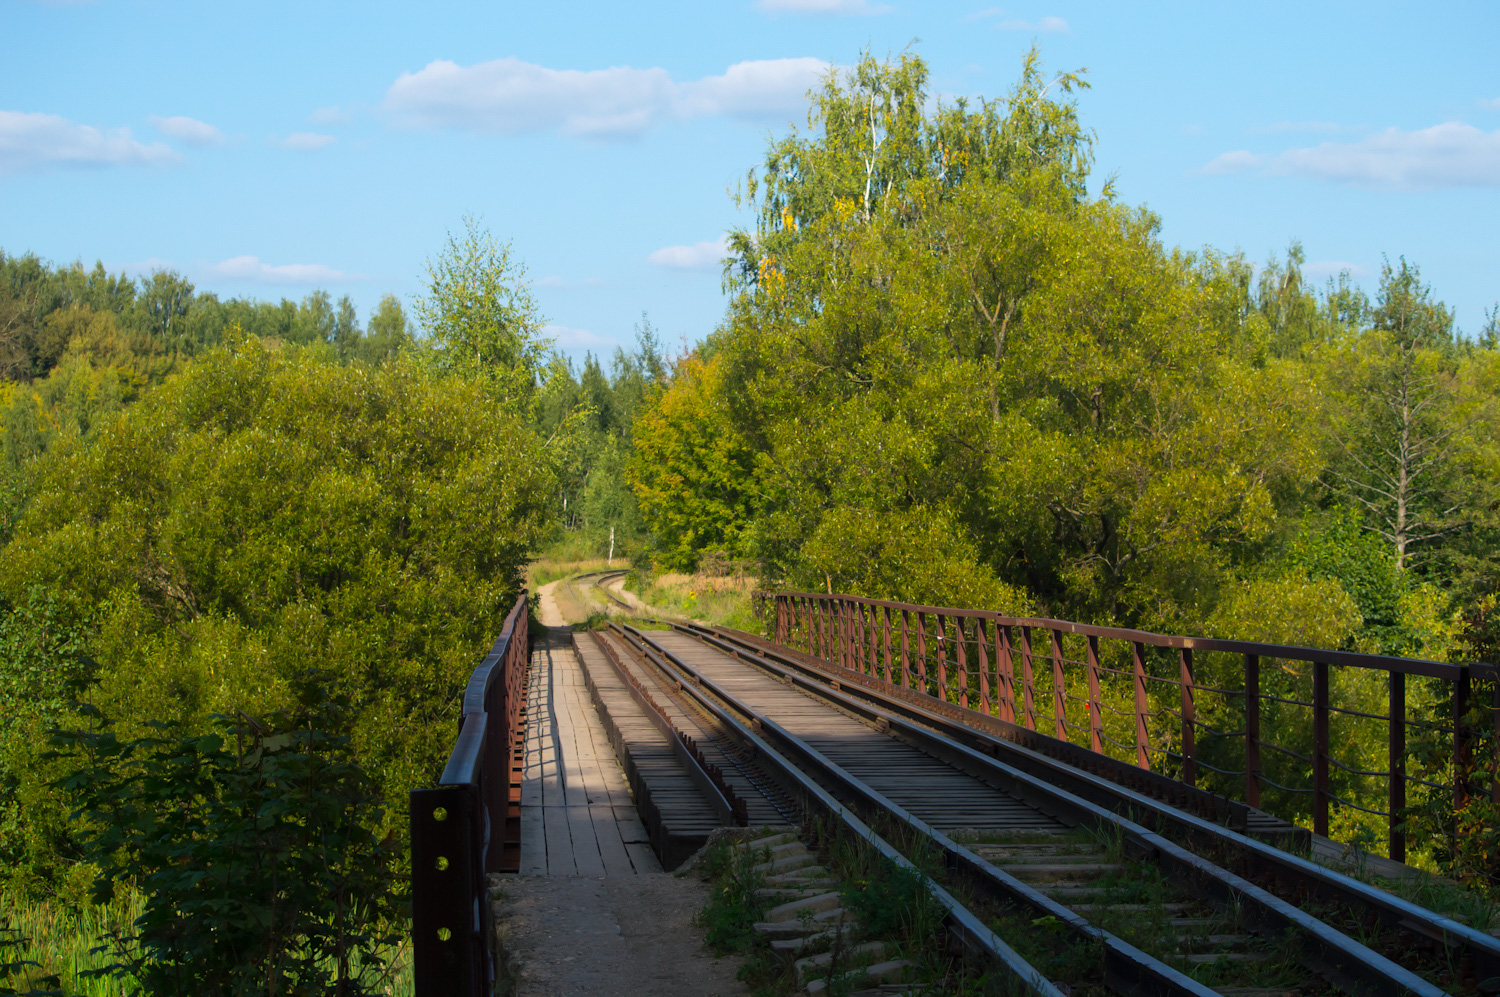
x=577, y=818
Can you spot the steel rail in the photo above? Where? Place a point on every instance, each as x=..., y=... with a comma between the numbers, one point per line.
x=599, y=576
x=727, y=807
x=1340, y=959
x=969, y=928
x=1127, y=969
x=980, y=742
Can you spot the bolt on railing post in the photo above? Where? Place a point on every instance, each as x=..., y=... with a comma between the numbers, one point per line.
x=1189, y=733
x=1096, y=716
x=1252, y=729
x=1028, y=681
x=1059, y=689
x=1397, y=759
x=1320, y=748
x=1142, y=745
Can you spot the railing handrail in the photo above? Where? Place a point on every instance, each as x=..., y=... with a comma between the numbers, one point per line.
x=469, y=824
x=1355, y=659
x=464, y=761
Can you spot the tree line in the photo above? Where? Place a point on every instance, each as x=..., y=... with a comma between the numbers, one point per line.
x=947, y=373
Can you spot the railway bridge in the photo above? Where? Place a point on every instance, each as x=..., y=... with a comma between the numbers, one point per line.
x=1055, y=787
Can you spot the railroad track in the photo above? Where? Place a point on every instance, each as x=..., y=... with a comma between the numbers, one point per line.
x=1175, y=903
x=581, y=586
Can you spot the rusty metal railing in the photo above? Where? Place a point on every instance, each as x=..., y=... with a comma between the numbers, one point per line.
x=470, y=825
x=1288, y=728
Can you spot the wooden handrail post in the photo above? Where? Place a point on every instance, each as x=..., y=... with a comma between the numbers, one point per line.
x=1397, y=758
x=1189, y=732
x=1320, y=748
x=1252, y=729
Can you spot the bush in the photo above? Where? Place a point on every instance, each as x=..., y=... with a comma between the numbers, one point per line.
x=252, y=844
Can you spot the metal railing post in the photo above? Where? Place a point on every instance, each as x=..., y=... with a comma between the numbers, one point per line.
x=1397, y=758
x=1142, y=744
x=1252, y=729
x=1096, y=716
x=1320, y=748
x=1189, y=734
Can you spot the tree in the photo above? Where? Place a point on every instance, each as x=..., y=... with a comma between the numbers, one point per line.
x=1398, y=446
x=267, y=507
x=871, y=148
x=479, y=314
x=387, y=333
x=165, y=299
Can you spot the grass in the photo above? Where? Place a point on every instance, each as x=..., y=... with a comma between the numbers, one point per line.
x=723, y=600
x=891, y=904
x=546, y=569
x=61, y=941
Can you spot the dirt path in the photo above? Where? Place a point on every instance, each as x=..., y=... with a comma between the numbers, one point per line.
x=547, y=609
x=625, y=936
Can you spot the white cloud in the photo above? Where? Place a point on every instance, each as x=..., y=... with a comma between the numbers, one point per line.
x=1047, y=25
x=330, y=116
x=1231, y=162
x=508, y=96
x=980, y=15
x=36, y=141
x=189, y=131
x=251, y=268
x=843, y=7
x=1493, y=105
x=305, y=141
x=1452, y=154
x=698, y=256
x=1322, y=269
x=577, y=339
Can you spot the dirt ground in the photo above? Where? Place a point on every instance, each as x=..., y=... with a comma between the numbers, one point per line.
x=612, y=937
x=547, y=611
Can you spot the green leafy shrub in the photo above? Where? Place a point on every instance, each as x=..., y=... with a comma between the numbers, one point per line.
x=252, y=844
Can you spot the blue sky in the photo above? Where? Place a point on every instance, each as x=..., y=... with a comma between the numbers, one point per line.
x=267, y=149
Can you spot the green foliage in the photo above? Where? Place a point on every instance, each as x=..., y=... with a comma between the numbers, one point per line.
x=13, y=946
x=270, y=507
x=252, y=843
x=480, y=317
